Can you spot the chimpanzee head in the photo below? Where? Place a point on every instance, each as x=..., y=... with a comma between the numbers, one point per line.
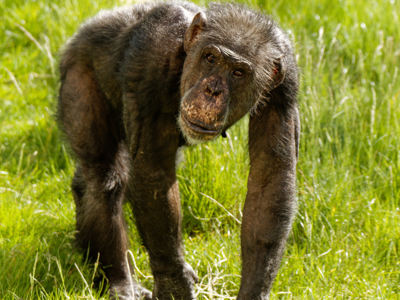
x=233, y=61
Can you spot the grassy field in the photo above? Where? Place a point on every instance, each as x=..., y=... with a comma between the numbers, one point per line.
x=345, y=242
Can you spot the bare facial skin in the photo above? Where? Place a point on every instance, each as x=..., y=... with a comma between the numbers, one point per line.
x=140, y=82
x=204, y=110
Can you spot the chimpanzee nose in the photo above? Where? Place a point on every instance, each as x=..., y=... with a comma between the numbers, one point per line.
x=213, y=88
x=212, y=93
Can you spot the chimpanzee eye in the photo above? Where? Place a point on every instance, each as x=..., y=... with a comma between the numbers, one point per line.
x=210, y=58
x=238, y=73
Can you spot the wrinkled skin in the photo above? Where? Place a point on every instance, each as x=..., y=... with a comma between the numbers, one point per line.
x=140, y=82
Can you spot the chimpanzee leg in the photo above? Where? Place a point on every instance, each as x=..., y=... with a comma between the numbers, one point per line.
x=100, y=179
x=101, y=227
x=153, y=191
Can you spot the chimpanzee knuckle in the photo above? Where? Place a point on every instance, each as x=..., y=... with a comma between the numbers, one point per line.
x=127, y=290
x=122, y=291
x=176, y=285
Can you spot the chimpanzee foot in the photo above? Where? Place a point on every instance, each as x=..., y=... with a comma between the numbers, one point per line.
x=177, y=286
x=129, y=291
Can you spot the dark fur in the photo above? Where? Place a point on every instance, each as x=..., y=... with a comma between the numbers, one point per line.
x=129, y=77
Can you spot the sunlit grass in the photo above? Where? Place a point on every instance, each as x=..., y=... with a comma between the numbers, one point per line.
x=345, y=241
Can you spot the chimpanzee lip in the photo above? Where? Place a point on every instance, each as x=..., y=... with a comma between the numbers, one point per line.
x=199, y=128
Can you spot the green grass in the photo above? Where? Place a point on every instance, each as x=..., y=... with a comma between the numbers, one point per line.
x=345, y=241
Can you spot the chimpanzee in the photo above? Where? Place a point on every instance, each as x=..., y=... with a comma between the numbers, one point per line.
x=138, y=83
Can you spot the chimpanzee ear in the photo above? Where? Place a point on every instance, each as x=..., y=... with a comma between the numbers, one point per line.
x=278, y=71
x=192, y=33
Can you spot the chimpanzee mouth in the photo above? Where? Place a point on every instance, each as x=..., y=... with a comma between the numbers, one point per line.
x=199, y=128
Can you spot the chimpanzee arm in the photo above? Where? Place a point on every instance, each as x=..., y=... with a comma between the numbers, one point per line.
x=270, y=202
x=153, y=140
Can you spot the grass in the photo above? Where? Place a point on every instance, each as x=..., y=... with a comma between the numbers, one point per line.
x=345, y=241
